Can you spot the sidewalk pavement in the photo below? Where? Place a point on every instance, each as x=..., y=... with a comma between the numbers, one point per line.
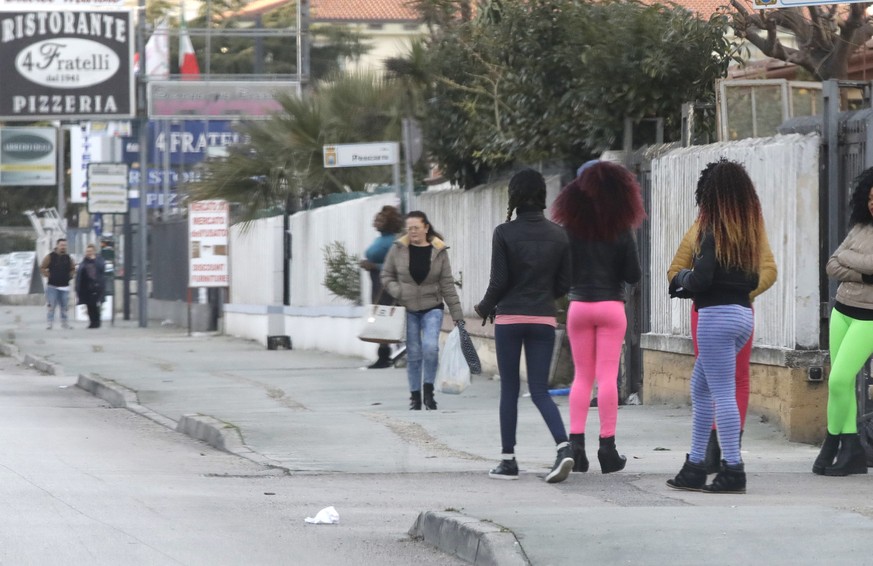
x=318, y=413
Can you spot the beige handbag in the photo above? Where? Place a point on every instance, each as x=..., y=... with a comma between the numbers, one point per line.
x=383, y=324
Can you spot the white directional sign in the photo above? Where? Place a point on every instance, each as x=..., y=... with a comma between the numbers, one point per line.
x=107, y=188
x=361, y=154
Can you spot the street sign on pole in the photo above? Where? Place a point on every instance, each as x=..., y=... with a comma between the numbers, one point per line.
x=107, y=188
x=361, y=154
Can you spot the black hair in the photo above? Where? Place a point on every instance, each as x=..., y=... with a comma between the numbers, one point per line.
x=858, y=205
x=431, y=232
x=60, y=240
x=704, y=175
x=526, y=187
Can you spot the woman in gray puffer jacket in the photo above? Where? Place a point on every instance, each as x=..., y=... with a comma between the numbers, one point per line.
x=851, y=336
x=417, y=273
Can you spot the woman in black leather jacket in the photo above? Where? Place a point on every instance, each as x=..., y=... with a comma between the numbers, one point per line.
x=530, y=268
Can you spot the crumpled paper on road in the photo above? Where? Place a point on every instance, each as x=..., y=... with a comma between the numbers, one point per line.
x=327, y=516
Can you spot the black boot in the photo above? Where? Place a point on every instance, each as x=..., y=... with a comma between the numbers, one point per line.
x=415, y=401
x=429, y=402
x=610, y=459
x=827, y=454
x=580, y=460
x=712, y=461
x=730, y=479
x=692, y=477
x=851, y=458
x=384, y=360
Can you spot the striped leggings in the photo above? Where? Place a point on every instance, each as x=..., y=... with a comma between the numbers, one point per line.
x=721, y=333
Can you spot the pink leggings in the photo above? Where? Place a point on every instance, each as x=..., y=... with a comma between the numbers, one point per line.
x=596, y=332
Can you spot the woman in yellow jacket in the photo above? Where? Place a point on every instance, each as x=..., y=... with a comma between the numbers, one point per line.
x=766, y=279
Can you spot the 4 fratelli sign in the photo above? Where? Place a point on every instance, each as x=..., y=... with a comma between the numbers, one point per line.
x=66, y=65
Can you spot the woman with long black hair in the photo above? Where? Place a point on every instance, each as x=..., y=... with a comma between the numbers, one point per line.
x=851, y=336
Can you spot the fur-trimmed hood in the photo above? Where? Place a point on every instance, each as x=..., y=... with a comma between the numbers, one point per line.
x=437, y=243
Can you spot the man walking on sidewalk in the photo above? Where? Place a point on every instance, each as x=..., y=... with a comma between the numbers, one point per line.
x=58, y=267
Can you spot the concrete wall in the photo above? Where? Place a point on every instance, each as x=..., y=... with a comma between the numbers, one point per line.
x=782, y=394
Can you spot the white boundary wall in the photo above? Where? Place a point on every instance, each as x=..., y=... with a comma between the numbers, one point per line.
x=785, y=170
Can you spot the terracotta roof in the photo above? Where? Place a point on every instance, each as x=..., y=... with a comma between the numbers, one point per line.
x=704, y=7
x=363, y=11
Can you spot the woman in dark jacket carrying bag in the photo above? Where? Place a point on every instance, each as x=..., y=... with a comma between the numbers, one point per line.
x=530, y=268
x=417, y=273
x=89, y=284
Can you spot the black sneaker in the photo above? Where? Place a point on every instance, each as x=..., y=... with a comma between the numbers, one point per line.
x=380, y=364
x=563, y=465
x=505, y=470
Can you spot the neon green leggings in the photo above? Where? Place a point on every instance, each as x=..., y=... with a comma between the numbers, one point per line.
x=851, y=345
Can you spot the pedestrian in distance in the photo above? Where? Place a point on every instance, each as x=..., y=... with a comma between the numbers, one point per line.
x=530, y=268
x=388, y=222
x=850, y=336
x=766, y=278
x=90, y=286
x=725, y=268
x=600, y=210
x=58, y=268
x=418, y=274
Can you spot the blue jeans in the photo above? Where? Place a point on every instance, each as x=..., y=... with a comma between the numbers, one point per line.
x=538, y=341
x=56, y=297
x=422, y=346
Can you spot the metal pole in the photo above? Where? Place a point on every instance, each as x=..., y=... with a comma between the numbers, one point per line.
x=62, y=199
x=407, y=159
x=395, y=174
x=142, y=271
x=165, y=206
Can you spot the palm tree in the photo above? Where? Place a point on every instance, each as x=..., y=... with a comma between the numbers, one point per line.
x=282, y=159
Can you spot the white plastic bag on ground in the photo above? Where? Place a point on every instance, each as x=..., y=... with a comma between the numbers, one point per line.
x=453, y=373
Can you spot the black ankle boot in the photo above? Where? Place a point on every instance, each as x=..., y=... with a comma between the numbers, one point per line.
x=610, y=459
x=415, y=401
x=712, y=461
x=730, y=479
x=828, y=453
x=851, y=458
x=692, y=477
x=429, y=402
x=580, y=460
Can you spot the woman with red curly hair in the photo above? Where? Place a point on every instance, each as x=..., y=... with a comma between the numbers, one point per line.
x=600, y=209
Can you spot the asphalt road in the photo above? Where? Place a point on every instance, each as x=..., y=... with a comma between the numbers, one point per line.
x=82, y=483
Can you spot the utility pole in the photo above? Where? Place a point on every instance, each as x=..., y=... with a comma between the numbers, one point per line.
x=142, y=111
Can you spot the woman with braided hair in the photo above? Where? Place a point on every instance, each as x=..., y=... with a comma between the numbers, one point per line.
x=600, y=209
x=530, y=268
x=725, y=268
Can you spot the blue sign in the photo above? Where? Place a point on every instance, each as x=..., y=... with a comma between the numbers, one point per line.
x=97, y=223
x=187, y=141
x=156, y=200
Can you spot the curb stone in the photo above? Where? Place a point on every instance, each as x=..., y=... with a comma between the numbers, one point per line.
x=222, y=436
x=470, y=539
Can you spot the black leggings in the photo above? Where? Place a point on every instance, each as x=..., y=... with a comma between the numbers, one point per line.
x=538, y=341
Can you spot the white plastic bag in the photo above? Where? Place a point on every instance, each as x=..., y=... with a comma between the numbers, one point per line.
x=453, y=374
